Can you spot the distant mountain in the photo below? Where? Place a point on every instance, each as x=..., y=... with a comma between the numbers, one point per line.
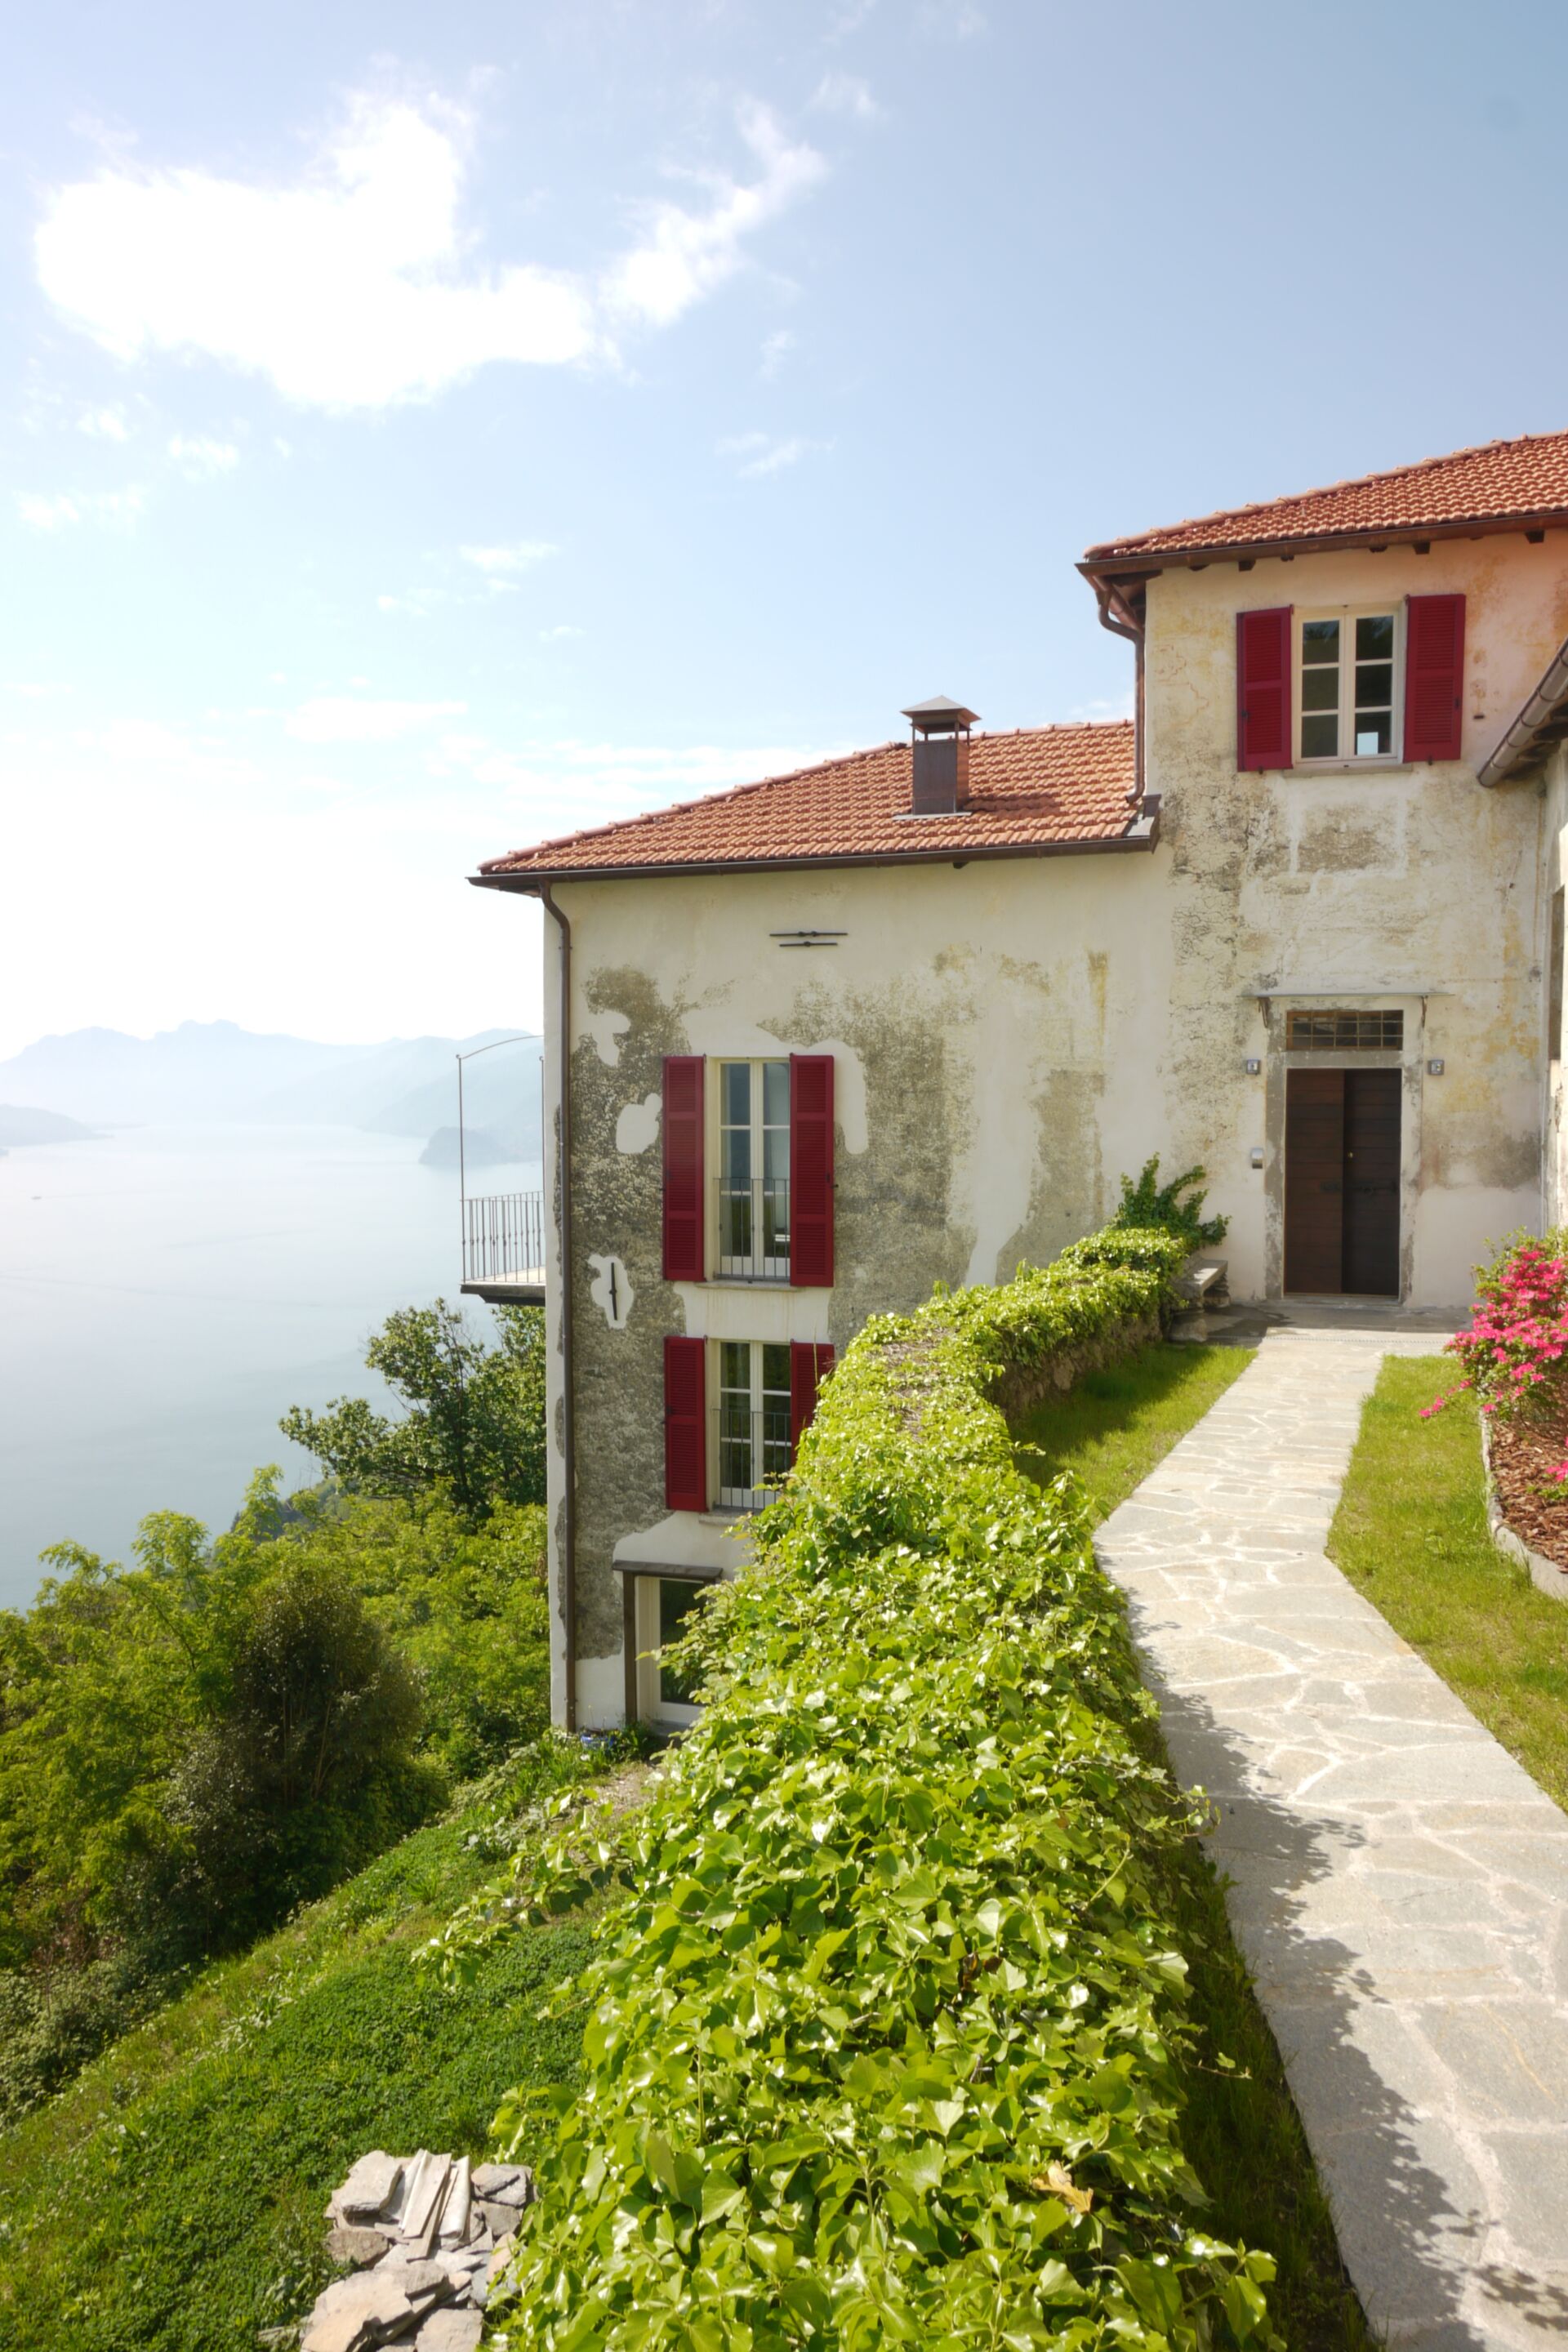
x=20, y=1125
x=215, y=1070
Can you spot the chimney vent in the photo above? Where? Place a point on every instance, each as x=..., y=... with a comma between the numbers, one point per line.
x=939, y=731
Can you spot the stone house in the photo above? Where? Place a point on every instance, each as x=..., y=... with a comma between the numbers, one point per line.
x=817, y=1042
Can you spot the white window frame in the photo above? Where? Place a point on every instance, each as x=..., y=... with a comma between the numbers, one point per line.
x=762, y=1406
x=1347, y=616
x=652, y=1705
x=767, y=1256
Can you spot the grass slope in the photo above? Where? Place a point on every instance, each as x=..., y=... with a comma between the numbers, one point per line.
x=1411, y=1533
x=1241, y=2128
x=170, y=2199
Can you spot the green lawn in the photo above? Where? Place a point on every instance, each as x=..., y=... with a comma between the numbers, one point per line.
x=1241, y=2130
x=1411, y=1532
x=170, y=2199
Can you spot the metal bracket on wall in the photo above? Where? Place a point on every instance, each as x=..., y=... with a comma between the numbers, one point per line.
x=808, y=938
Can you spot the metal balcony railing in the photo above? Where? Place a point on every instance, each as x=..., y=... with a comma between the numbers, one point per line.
x=754, y=1228
x=753, y=1452
x=503, y=1240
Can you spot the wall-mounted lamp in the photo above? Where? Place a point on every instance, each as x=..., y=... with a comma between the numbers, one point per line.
x=1253, y=1069
x=1258, y=1155
x=1434, y=1069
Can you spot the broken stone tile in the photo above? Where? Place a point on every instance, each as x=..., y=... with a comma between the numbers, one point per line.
x=359, y=2246
x=369, y=2187
x=499, y=2219
x=489, y=2179
x=427, y=2194
x=499, y=2257
x=450, y=2331
x=455, y=2213
x=355, y=2312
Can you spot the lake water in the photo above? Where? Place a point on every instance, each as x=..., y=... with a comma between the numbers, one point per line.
x=167, y=1293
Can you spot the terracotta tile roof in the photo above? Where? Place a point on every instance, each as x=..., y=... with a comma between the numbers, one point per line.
x=1499, y=483
x=1042, y=788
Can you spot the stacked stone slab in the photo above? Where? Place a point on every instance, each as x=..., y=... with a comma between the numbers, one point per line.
x=427, y=2237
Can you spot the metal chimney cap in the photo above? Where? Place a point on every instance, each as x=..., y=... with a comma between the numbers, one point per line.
x=939, y=715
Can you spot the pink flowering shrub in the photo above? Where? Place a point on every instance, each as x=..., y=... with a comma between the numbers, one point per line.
x=1515, y=1354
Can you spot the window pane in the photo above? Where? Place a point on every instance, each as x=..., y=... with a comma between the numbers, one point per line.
x=1319, y=641
x=1321, y=690
x=737, y=1093
x=1373, y=735
x=775, y=1151
x=736, y=1365
x=738, y=1155
x=1374, y=637
x=775, y=1093
x=776, y=1370
x=1374, y=686
x=1320, y=738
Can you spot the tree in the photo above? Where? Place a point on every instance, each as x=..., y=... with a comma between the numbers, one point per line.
x=474, y=1419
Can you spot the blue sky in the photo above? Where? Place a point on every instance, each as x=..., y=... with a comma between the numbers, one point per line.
x=429, y=430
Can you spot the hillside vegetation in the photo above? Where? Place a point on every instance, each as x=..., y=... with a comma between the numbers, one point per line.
x=193, y=1744
x=170, y=2199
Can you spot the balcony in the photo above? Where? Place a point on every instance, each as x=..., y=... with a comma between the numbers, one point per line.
x=504, y=1248
x=752, y=1454
x=754, y=1228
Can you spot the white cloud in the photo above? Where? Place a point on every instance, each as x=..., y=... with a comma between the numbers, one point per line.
x=339, y=718
x=776, y=348
x=31, y=691
x=683, y=256
x=409, y=605
x=352, y=287
x=203, y=461
x=521, y=555
x=559, y=633
x=844, y=93
x=766, y=452
x=61, y=510
x=104, y=424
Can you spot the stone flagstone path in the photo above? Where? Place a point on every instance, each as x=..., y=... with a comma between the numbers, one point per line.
x=1400, y=1884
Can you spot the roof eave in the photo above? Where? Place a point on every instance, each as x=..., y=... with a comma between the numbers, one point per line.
x=1142, y=834
x=1149, y=560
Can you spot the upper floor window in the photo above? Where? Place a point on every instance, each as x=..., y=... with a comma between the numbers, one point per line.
x=748, y=1169
x=754, y=1170
x=1348, y=699
x=1340, y=685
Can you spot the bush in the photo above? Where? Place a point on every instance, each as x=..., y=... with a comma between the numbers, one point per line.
x=884, y=2020
x=1515, y=1351
x=1148, y=1206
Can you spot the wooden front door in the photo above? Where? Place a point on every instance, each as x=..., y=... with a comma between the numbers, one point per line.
x=1341, y=1181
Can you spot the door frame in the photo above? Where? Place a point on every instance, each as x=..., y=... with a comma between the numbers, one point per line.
x=1408, y=1060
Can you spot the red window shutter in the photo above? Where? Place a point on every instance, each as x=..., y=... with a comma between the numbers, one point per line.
x=1263, y=689
x=684, y=1222
x=808, y=1367
x=685, y=1424
x=1434, y=677
x=811, y=1169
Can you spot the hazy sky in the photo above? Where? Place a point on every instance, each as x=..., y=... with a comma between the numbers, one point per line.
x=426, y=430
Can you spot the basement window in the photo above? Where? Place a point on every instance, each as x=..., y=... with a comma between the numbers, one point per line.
x=1344, y=1033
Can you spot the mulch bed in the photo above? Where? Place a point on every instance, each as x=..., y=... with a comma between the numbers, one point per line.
x=1524, y=1450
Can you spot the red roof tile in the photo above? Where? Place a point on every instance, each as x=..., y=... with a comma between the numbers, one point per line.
x=1500, y=483
x=1042, y=788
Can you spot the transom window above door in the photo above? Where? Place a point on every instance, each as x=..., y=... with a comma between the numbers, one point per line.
x=1348, y=664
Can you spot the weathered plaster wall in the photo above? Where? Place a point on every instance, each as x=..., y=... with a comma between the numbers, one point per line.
x=974, y=1013
x=1553, y=790
x=1408, y=878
